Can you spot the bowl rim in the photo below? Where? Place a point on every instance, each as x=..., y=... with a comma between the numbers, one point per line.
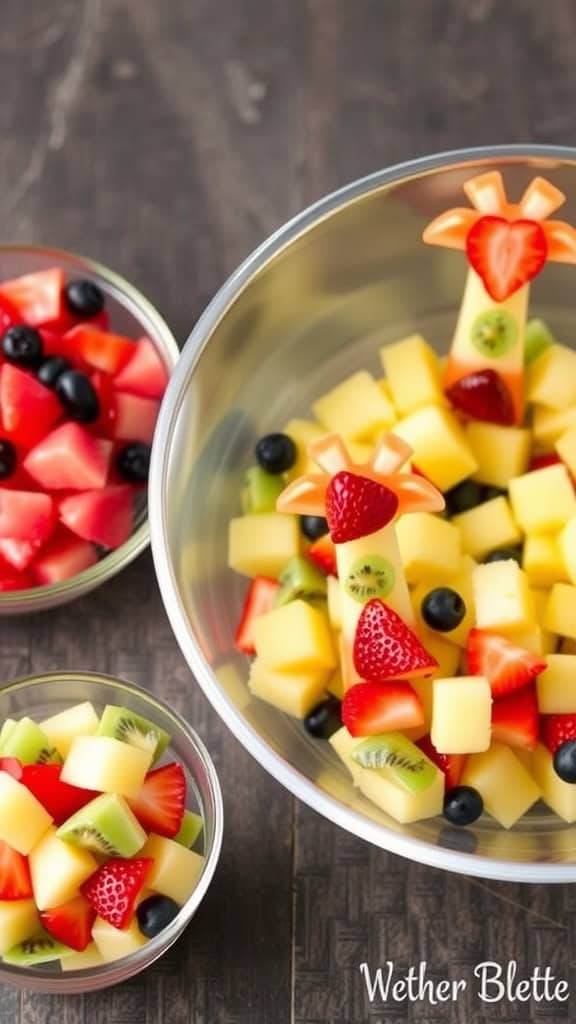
x=416, y=849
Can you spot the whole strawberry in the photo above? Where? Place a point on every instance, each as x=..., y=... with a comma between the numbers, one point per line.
x=357, y=506
x=386, y=648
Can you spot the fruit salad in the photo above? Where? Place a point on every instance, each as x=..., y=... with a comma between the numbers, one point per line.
x=78, y=405
x=96, y=837
x=412, y=546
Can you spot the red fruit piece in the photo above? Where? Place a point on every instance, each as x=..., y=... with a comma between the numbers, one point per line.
x=12, y=766
x=505, y=665
x=100, y=349
x=9, y=315
x=386, y=648
x=506, y=254
x=104, y=388
x=323, y=553
x=18, y=553
x=160, y=804
x=15, y=881
x=259, y=600
x=29, y=410
x=105, y=517
x=59, y=798
x=541, y=461
x=11, y=579
x=558, y=729
x=63, y=557
x=113, y=890
x=483, y=396
x=452, y=765
x=357, y=506
x=26, y=515
x=135, y=418
x=71, y=923
x=38, y=297
x=515, y=719
x=69, y=458
x=372, y=708
x=145, y=374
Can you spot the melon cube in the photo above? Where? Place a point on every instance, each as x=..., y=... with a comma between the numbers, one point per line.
x=176, y=870
x=543, y=561
x=502, y=597
x=461, y=713
x=566, y=448
x=428, y=545
x=397, y=801
x=63, y=728
x=556, y=686
x=334, y=602
x=567, y=554
x=462, y=584
x=23, y=820
x=506, y=787
x=560, y=611
x=543, y=500
x=18, y=921
x=114, y=943
x=296, y=693
x=295, y=638
x=487, y=526
x=552, y=378
x=548, y=425
x=558, y=795
x=501, y=452
x=58, y=869
x=90, y=957
x=303, y=433
x=441, y=450
x=357, y=409
x=413, y=373
x=261, y=545
x=106, y=765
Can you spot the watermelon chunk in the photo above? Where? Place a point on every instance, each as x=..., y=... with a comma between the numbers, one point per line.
x=135, y=418
x=100, y=349
x=104, y=388
x=38, y=297
x=12, y=580
x=69, y=458
x=65, y=556
x=145, y=374
x=104, y=516
x=26, y=515
x=29, y=410
x=19, y=553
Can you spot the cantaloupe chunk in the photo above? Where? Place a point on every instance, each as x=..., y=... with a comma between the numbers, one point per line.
x=502, y=597
x=462, y=584
x=543, y=500
x=64, y=727
x=506, y=787
x=261, y=545
x=357, y=409
x=552, y=378
x=176, y=870
x=114, y=943
x=560, y=611
x=441, y=450
x=292, y=692
x=501, y=452
x=23, y=820
x=556, y=686
x=58, y=869
x=558, y=795
x=543, y=561
x=106, y=765
x=461, y=712
x=428, y=546
x=18, y=921
x=413, y=373
x=549, y=424
x=487, y=527
x=295, y=638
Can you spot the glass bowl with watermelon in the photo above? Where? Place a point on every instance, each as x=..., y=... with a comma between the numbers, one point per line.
x=84, y=362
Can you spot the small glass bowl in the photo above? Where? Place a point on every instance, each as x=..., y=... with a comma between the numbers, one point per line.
x=130, y=314
x=42, y=696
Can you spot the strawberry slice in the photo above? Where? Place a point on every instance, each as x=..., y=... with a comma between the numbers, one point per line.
x=506, y=254
x=323, y=553
x=515, y=719
x=452, y=765
x=71, y=923
x=558, y=729
x=483, y=396
x=357, y=506
x=15, y=881
x=12, y=766
x=506, y=666
x=160, y=804
x=112, y=891
x=259, y=600
x=386, y=648
x=59, y=798
x=369, y=709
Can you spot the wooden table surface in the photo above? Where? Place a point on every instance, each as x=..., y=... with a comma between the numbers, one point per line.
x=167, y=139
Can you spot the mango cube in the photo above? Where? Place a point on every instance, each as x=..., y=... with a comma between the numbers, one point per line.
x=543, y=500
x=428, y=545
x=261, y=545
x=506, y=787
x=560, y=611
x=501, y=452
x=413, y=373
x=18, y=921
x=296, y=693
x=556, y=686
x=461, y=714
x=542, y=559
x=548, y=425
x=23, y=820
x=357, y=409
x=295, y=638
x=502, y=597
x=552, y=378
x=558, y=795
x=441, y=450
x=303, y=433
x=567, y=553
x=487, y=526
x=462, y=584
x=566, y=448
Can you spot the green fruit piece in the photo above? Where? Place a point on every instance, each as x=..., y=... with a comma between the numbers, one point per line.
x=300, y=579
x=26, y=741
x=190, y=829
x=7, y=728
x=125, y=725
x=494, y=332
x=370, y=576
x=40, y=949
x=398, y=758
x=538, y=338
x=261, y=490
x=105, y=825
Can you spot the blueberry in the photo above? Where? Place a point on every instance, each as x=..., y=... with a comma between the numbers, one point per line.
x=7, y=458
x=443, y=609
x=504, y=554
x=155, y=914
x=51, y=370
x=464, y=496
x=22, y=345
x=84, y=298
x=133, y=462
x=463, y=805
x=78, y=396
x=313, y=527
x=565, y=761
x=324, y=720
x=276, y=453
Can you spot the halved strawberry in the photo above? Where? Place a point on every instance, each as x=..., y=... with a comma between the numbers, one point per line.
x=558, y=729
x=357, y=506
x=114, y=889
x=71, y=923
x=12, y=766
x=372, y=708
x=160, y=804
x=505, y=665
x=38, y=297
x=60, y=799
x=452, y=765
x=259, y=600
x=145, y=374
x=515, y=719
x=506, y=254
x=483, y=396
x=15, y=881
x=386, y=648
x=323, y=553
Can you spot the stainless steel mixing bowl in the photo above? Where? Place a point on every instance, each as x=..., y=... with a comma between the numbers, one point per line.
x=311, y=305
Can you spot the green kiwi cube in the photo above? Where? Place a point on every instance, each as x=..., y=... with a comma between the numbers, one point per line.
x=190, y=829
x=300, y=579
x=39, y=949
x=27, y=741
x=261, y=490
x=105, y=825
x=122, y=724
x=538, y=338
x=398, y=758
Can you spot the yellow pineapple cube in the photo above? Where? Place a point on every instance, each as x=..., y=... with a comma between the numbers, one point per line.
x=487, y=526
x=106, y=765
x=176, y=869
x=558, y=795
x=543, y=500
x=413, y=373
x=357, y=409
x=303, y=433
x=296, y=693
x=18, y=921
x=556, y=686
x=90, y=957
x=428, y=546
x=114, y=943
x=61, y=729
x=295, y=638
x=502, y=597
x=261, y=545
x=542, y=559
x=447, y=655
x=23, y=820
x=552, y=378
x=531, y=639
x=400, y=803
x=461, y=713
x=567, y=553
x=441, y=450
x=58, y=869
x=506, y=787
x=462, y=584
x=560, y=611
x=566, y=448
x=343, y=744
x=501, y=452
x=334, y=602
x=335, y=684
x=549, y=639
x=549, y=424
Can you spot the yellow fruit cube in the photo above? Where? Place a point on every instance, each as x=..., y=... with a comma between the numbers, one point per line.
x=543, y=500
x=542, y=559
x=558, y=795
x=428, y=545
x=334, y=602
x=548, y=639
x=487, y=526
x=18, y=921
x=90, y=957
x=461, y=713
x=560, y=611
x=303, y=433
x=343, y=744
x=506, y=787
x=295, y=638
x=447, y=655
x=462, y=584
x=567, y=553
x=502, y=597
x=400, y=803
x=23, y=820
x=335, y=684
x=357, y=409
x=501, y=452
x=176, y=870
x=114, y=943
x=552, y=378
x=106, y=765
x=61, y=729
x=441, y=450
x=566, y=448
x=58, y=869
x=413, y=373
x=549, y=424
x=292, y=692
x=261, y=545
x=556, y=686
x=531, y=639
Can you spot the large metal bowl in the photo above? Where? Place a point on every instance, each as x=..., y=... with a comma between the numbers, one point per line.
x=312, y=304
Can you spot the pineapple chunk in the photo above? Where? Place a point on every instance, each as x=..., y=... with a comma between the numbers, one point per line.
x=549, y=640
x=566, y=448
x=559, y=795
x=63, y=728
x=461, y=712
x=542, y=559
x=502, y=598
x=106, y=765
x=260, y=545
x=560, y=611
x=556, y=686
x=531, y=639
x=428, y=546
x=18, y=921
x=303, y=433
x=552, y=378
x=400, y=803
x=176, y=870
x=343, y=744
x=447, y=655
x=23, y=820
x=57, y=870
x=292, y=692
x=114, y=943
x=425, y=692
x=357, y=409
x=462, y=584
x=549, y=424
x=567, y=554
x=501, y=452
x=295, y=638
x=543, y=500
x=506, y=787
x=441, y=450
x=335, y=684
x=487, y=526
x=413, y=373
x=334, y=602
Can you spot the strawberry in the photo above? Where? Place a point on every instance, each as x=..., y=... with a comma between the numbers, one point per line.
x=323, y=553
x=113, y=889
x=483, y=396
x=12, y=766
x=259, y=600
x=372, y=708
x=515, y=719
x=15, y=881
x=386, y=648
x=541, y=461
x=505, y=665
x=558, y=729
x=59, y=798
x=452, y=765
x=506, y=254
x=71, y=923
x=357, y=506
x=160, y=804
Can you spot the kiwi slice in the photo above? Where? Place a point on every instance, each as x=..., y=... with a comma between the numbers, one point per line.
x=39, y=949
x=494, y=333
x=105, y=825
x=125, y=725
x=261, y=490
x=538, y=338
x=29, y=743
x=300, y=579
x=368, y=577
x=190, y=829
x=396, y=757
